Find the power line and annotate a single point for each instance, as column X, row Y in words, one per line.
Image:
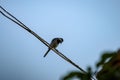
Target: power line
column 15, row 20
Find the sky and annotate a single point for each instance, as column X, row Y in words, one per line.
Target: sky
column 88, row 27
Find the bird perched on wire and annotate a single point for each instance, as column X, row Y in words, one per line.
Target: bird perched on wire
column 54, row 43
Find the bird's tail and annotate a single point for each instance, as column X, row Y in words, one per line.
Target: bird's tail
column 46, row 53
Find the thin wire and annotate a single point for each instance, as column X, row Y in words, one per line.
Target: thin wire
column 12, row 18
column 15, row 20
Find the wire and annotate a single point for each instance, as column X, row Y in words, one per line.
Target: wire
column 15, row 20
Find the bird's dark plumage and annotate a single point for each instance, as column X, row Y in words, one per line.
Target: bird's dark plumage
column 54, row 43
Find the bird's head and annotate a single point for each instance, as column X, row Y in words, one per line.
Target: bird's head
column 60, row 40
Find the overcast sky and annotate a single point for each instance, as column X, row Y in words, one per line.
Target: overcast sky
column 88, row 27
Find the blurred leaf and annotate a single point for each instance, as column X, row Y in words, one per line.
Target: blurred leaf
column 110, row 69
column 79, row 75
column 104, row 57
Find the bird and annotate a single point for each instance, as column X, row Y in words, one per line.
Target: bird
column 54, row 43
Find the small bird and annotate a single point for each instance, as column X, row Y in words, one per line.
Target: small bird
column 54, row 43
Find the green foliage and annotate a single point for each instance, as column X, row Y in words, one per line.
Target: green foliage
column 104, row 57
column 79, row 75
column 110, row 69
